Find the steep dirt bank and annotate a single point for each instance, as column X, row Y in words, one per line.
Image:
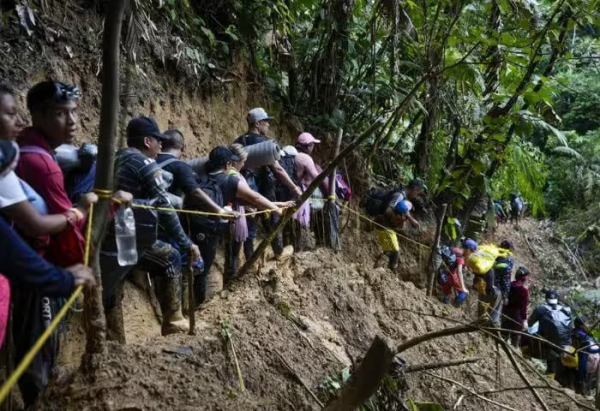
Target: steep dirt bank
column 339, row 303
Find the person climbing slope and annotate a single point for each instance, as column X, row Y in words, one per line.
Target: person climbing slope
column 391, row 209
column 503, row 269
column 555, row 324
column 262, row 179
column 480, row 261
column 514, row 313
column 588, row 355
column 451, row 275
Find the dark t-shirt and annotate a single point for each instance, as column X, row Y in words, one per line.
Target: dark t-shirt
column 184, row 177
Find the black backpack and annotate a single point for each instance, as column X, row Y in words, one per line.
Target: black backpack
column 448, row 258
column 212, row 188
column 377, row 200
column 283, row 192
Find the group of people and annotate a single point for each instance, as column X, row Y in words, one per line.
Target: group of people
column 42, row 228
column 511, row 210
column 549, row 332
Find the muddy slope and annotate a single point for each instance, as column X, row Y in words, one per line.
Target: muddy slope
column 319, row 311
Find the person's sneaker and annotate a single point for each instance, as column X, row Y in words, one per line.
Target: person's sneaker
column 446, row 300
column 286, row 253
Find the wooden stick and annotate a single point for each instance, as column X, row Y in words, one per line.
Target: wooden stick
column 472, row 392
column 366, row 380
column 95, row 320
column 235, row 360
column 511, row 357
column 298, row 378
column 435, row 248
column 437, row 365
column 191, row 298
column 461, row 329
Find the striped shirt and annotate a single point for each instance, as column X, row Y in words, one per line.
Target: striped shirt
column 141, row 176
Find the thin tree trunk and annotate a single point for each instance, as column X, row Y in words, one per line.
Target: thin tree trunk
column 94, row 319
column 435, row 249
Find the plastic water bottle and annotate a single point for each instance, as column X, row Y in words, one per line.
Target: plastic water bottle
column 125, row 234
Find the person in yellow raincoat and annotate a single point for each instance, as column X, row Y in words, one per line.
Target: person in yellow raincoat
column 396, row 213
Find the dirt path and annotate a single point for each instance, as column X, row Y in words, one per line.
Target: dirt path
column 319, row 311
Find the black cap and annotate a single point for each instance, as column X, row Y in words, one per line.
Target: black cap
column 507, row 245
column 142, row 126
column 416, row 183
column 551, row 297
column 221, row 155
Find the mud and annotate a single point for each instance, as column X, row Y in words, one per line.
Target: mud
column 320, row 311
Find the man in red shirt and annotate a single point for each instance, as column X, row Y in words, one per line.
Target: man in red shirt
column 53, row 108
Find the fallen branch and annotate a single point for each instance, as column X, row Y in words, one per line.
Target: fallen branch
column 515, row 365
column 437, row 365
column 471, row 391
column 298, row 378
column 523, row 361
column 366, row 380
column 462, row 329
column 576, row 260
column 229, row 337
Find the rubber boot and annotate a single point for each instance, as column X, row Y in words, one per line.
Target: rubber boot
column 168, row 291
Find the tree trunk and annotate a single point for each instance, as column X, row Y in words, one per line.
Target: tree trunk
column 95, row 320
column 366, row 380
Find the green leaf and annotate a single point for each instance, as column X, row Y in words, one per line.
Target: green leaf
column 209, row 35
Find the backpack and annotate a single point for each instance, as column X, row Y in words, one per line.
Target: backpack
column 556, row 325
column 448, row 257
column 448, row 264
column 342, row 189
column 283, row 192
column 484, row 259
column 212, row 188
column 377, row 200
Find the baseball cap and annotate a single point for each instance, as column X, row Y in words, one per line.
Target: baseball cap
column 403, row 207
column 306, row 139
column 144, row 127
column 551, row 297
column 258, row 114
column 416, row 183
column 522, row 272
column 470, row 244
column 507, row 245
column 221, row 155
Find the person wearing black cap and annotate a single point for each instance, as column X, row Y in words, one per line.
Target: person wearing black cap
column 555, row 324
column 139, row 174
column 263, row 179
column 207, row 231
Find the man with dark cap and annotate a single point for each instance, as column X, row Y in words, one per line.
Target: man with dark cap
column 139, row 174
column 262, row 179
column 555, row 324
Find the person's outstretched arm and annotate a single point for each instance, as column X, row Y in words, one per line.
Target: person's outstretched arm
column 23, row 266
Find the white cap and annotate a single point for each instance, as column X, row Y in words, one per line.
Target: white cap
column 258, row 114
